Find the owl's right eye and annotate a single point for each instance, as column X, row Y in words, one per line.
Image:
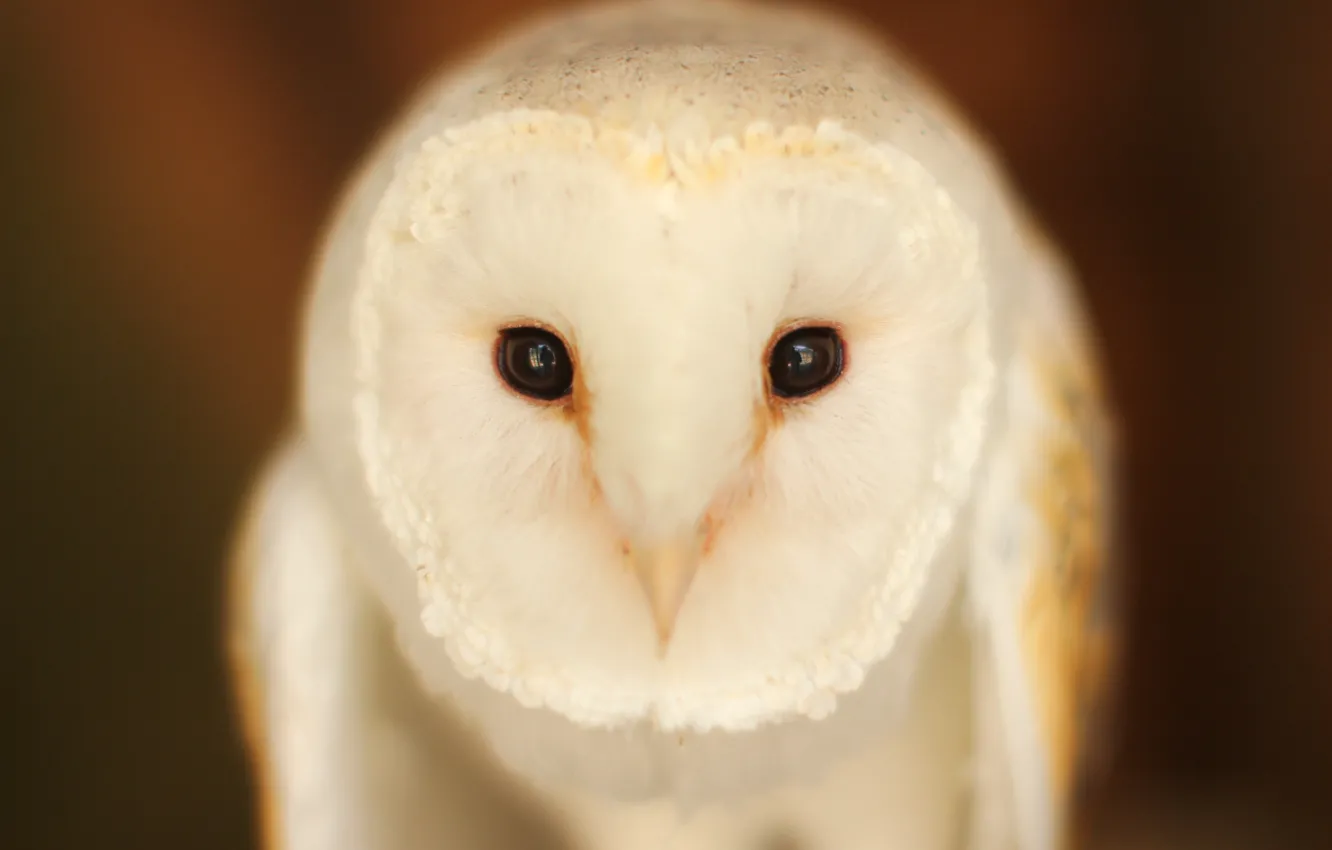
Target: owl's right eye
column 535, row 362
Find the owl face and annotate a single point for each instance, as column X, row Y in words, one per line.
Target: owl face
column 664, row 430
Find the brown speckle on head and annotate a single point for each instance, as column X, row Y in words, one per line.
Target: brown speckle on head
column 768, row 415
column 626, row 556
column 733, row 497
column 711, row 526
column 579, row 408
column 578, row 411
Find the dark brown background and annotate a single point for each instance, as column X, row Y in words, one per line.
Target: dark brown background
column 165, row 166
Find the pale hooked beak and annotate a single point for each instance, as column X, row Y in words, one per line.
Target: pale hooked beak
column 666, row 571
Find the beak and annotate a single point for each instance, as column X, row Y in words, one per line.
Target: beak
column 666, row 572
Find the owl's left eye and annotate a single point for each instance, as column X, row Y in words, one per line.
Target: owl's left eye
column 805, row 361
column 535, row 362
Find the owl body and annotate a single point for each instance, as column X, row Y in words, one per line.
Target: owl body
column 715, row 308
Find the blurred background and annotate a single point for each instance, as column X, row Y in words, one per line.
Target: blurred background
column 165, row 167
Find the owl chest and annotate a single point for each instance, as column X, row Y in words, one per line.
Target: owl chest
column 905, row 787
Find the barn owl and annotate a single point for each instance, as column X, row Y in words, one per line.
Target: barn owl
column 699, row 447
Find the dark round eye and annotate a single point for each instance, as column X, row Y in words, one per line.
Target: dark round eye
column 805, row 361
column 535, row 363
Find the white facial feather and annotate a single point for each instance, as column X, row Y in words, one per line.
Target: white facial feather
column 668, row 188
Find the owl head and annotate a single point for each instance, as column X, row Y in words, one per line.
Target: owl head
column 650, row 357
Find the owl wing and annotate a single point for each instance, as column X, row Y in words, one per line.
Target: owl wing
column 1041, row 579
column 292, row 628
column 348, row 752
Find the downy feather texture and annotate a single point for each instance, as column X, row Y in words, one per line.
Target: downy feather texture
column 901, row 588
